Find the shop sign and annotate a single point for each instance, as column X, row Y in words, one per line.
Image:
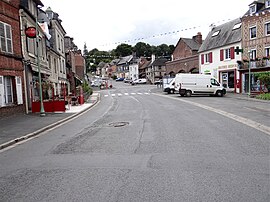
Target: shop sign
column 30, row 32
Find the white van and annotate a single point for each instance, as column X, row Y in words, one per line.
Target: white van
column 198, row 84
column 169, row 87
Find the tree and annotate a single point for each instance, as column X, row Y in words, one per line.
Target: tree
column 264, row 78
column 142, row 49
column 123, row 50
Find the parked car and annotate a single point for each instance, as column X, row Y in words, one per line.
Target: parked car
column 138, row 81
column 119, row 79
column 127, row 80
column 158, row 82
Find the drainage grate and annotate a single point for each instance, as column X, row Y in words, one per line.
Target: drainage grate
column 118, row 124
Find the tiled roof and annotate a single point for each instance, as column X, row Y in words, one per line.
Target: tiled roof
column 194, row 45
column 226, row 36
column 124, row 60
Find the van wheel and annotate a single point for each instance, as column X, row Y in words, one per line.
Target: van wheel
column 219, row 93
column 171, row 91
column 188, row 93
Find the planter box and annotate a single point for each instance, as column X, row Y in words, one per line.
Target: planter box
column 50, row 106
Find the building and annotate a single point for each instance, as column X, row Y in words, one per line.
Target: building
column 185, row 56
column 56, row 53
column 11, row 66
column 218, row 54
column 156, row 70
column 255, row 44
column 34, row 51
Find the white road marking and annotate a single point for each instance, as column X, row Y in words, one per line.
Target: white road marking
column 113, row 95
column 126, row 93
column 119, row 94
column 106, row 95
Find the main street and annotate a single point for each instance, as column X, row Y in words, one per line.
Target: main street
column 139, row 144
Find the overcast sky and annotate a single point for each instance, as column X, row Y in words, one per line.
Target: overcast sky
column 104, row 24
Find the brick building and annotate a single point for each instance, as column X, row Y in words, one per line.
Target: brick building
column 185, row 58
column 11, row 67
column 255, row 44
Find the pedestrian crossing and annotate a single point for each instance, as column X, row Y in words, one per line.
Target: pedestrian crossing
column 125, row 94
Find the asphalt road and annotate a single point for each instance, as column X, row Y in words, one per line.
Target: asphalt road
column 141, row 145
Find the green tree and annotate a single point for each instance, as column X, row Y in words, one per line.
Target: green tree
column 123, row 50
column 142, row 49
column 264, row 78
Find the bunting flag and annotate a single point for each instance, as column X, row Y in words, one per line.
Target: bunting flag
column 164, row 34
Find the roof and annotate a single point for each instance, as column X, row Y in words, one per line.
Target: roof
column 222, row 35
column 144, row 63
column 124, row 60
column 158, row 62
column 192, row 44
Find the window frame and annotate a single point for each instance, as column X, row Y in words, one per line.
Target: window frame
column 251, row 33
column 252, row 9
column 227, row 54
column 267, row 3
column 6, row 38
column 267, row 29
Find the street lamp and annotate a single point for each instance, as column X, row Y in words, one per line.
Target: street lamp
column 249, row 73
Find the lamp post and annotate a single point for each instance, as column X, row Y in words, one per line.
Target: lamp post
column 42, row 112
column 249, row 74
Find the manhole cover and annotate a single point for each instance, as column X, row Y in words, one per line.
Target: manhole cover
column 118, row 124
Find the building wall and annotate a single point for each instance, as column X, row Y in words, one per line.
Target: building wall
column 11, row 63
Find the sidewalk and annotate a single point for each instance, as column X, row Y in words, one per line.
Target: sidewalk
column 16, row 128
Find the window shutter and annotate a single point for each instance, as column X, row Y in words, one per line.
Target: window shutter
column 19, row 90
column 221, row 55
column 1, row 91
column 202, row 59
column 210, row 57
column 232, row 52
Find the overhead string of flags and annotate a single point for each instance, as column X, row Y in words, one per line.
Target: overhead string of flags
column 163, row 34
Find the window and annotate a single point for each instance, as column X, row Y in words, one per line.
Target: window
column 208, row 57
column 5, row 38
column 237, row 26
column 227, row 53
column 267, row 51
column 253, row 32
column 253, row 54
column 215, row 33
column 267, row 3
column 267, row 28
column 252, row 8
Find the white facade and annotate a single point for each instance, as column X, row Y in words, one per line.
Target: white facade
column 134, row 71
column 222, row 64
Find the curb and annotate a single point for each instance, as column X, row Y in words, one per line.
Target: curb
column 35, row 133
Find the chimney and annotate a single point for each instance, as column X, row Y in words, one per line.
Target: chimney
column 198, row 37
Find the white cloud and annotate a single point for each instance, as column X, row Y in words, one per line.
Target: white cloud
column 103, row 23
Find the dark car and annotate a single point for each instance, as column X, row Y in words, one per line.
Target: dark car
column 119, row 79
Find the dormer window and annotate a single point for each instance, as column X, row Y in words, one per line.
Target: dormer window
column 267, row 3
column 252, row 9
column 237, row 26
column 215, row 33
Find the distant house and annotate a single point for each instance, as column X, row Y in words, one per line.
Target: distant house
column 11, row 66
column 142, row 67
column 123, row 67
column 185, row 56
column 255, row 44
column 156, row 70
column 219, row 56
